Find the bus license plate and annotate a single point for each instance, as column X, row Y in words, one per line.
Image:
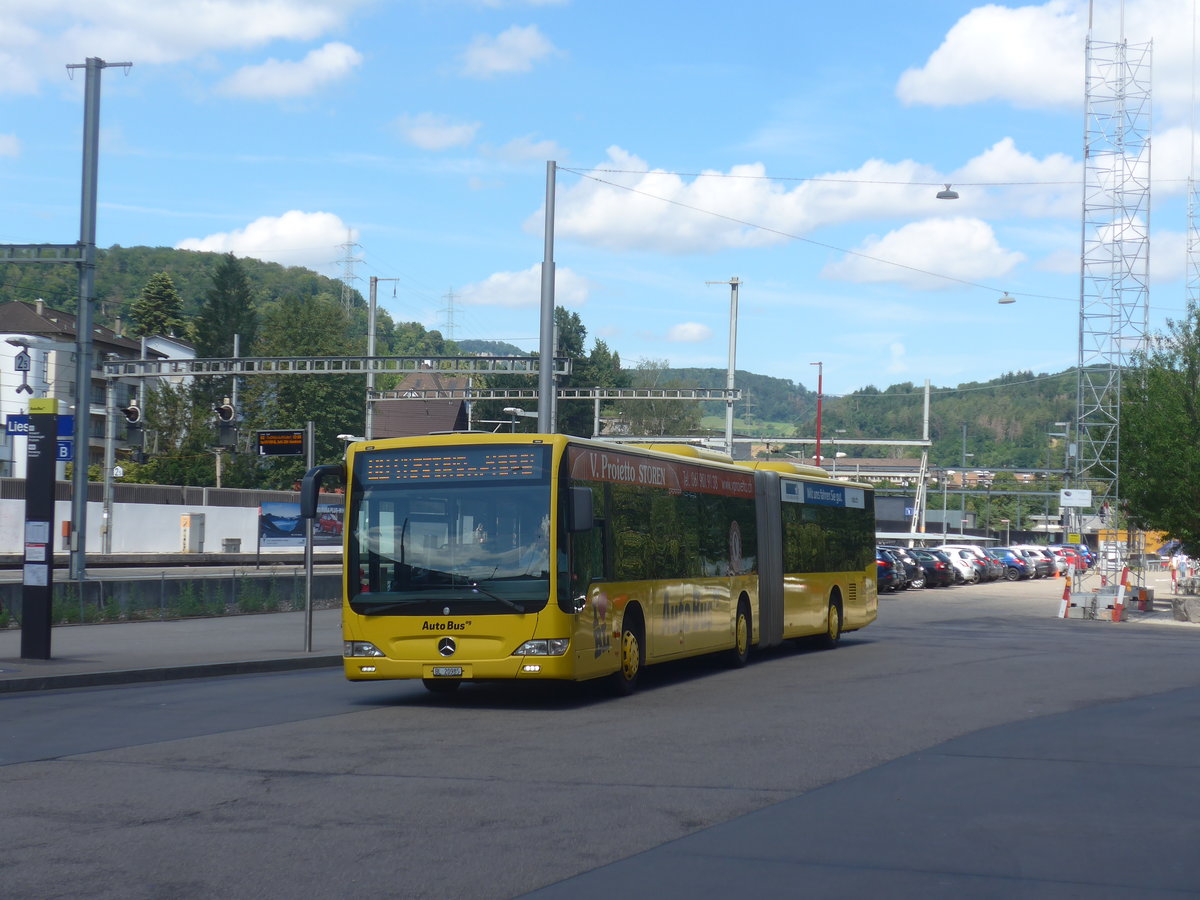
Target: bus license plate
column 447, row 671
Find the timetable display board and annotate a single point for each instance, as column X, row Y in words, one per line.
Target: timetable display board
column 448, row 465
column 281, row 442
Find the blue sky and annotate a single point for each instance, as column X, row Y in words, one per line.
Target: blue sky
column 779, row 142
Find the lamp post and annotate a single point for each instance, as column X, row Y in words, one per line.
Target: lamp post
column 729, row 376
column 372, row 310
column 945, row 508
column 987, row 516
column 1006, row 532
column 820, row 375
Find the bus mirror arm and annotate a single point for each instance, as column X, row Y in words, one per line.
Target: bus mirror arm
column 581, row 509
column 310, row 488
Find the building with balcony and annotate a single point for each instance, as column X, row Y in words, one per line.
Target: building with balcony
column 48, row 335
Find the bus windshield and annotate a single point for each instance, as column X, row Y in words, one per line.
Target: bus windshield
column 459, row 530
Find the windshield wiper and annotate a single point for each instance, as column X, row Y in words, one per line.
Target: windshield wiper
column 480, row 590
column 371, row 609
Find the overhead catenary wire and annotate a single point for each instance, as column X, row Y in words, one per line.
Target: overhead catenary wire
column 799, row 237
column 1000, row 292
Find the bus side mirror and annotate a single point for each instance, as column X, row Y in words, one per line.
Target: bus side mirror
column 310, row 488
column 581, row 509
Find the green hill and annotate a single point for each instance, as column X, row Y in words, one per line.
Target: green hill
column 122, row 272
column 1006, row 420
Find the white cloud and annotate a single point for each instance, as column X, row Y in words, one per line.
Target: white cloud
column 38, row 37
column 1032, row 187
column 513, row 50
column 689, row 333
column 524, row 289
column 525, row 149
column 1031, row 56
column 1064, row 261
column 626, row 205
column 9, row 145
column 960, row 249
column 276, row 78
column 432, row 131
column 1168, row 258
column 1173, row 159
column 294, row 239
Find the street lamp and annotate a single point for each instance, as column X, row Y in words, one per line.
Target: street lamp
column 515, row 412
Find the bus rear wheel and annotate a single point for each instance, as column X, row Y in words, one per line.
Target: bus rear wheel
column 833, row 626
column 740, row 654
column 633, row 656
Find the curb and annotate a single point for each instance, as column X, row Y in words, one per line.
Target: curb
column 171, row 673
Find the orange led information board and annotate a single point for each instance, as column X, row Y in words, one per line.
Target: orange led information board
column 281, row 442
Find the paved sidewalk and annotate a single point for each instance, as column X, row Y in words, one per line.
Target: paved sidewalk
column 126, row 652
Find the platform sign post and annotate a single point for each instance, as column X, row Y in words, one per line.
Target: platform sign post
column 37, row 582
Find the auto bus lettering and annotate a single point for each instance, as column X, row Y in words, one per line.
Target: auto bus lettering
column 444, row 626
column 689, row 604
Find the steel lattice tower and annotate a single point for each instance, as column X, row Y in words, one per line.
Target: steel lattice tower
column 1115, row 255
column 348, row 276
column 1193, row 243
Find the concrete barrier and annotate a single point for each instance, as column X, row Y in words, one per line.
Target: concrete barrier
column 163, row 597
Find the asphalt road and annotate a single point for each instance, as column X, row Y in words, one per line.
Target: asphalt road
column 304, row 785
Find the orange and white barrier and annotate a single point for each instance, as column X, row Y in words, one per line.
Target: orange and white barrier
column 1119, row 604
column 1065, row 607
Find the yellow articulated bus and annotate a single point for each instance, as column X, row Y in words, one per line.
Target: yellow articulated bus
column 496, row 557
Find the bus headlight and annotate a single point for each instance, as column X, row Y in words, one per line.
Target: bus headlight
column 360, row 648
column 550, row 647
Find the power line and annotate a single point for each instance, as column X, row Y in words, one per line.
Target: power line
column 797, row 237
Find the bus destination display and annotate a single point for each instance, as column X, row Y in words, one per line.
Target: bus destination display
column 452, row 464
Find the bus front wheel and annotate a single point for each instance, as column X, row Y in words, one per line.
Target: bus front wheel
column 633, row 656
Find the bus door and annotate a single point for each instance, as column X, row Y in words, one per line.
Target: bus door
column 590, row 595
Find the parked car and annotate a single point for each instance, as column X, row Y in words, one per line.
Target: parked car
column 886, row 571
column 939, row 571
column 964, row 565
column 987, row 572
column 1043, row 563
column 1071, row 554
column 995, row 570
column 913, row 573
column 1015, row 565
